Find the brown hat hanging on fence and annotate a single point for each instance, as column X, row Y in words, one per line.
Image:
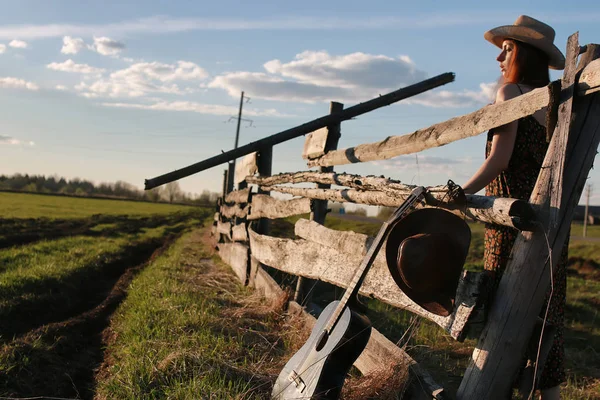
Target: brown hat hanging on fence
column 425, row 253
column 531, row 31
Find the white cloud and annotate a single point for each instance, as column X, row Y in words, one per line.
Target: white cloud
column 107, row 46
column 190, row 106
column 317, row 76
column 61, row 87
column 18, row 44
column 72, row 45
column 448, row 99
column 16, row 83
column 355, row 70
column 71, row 66
column 144, row 78
column 2, row 48
column 9, row 140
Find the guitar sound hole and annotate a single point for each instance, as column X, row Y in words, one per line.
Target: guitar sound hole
column 322, row 340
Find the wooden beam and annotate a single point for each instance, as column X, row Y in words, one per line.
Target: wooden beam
column 234, row 210
column 264, row 206
column 314, row 144
column 462, row 127
column 246, row 167
column 589, row 80
column 303, row 129
column 523, row 286
column 239, row 233
column 238, row 196
column 237, row 257
column 317, row 260
column 224, row 228
column 500, row 211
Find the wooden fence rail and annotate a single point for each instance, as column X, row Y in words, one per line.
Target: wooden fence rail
column 331, row 256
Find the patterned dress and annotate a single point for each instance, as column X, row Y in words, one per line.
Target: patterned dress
column 518, row 181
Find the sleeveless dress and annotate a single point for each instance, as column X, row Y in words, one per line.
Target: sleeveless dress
column 518, row 181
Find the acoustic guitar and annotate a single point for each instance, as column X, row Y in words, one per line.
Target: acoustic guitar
column 319, row 368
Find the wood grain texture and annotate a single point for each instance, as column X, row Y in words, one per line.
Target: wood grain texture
column 264, row 206
column 238, row 196
column 314, row 145
column 237, row 257
column 322, row 260
column 246, row 167
column 239, row 233
column 235, row 210
column 500, row 211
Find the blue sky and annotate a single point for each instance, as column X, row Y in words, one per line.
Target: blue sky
column 130, row 90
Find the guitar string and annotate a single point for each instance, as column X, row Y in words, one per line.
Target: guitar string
column 370, row 325
column 415, row 322
column 322, row 358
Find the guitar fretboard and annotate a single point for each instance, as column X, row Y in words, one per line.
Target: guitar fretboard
column 360, row 274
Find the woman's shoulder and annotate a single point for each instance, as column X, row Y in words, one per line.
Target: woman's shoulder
column 508, row 91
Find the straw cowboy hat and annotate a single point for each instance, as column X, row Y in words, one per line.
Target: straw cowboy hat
column 533, row 32
column 425, row 253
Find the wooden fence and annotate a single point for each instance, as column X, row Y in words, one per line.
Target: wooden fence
column 242, row 232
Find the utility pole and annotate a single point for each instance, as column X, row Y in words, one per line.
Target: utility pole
column 237, row 137
column 587, row 204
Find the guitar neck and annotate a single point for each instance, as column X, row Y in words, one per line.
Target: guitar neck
column 415, row 196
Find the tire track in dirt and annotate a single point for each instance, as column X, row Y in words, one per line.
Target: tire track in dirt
column 60, row 358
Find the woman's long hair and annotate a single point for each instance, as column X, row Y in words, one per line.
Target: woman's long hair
column 528, row 66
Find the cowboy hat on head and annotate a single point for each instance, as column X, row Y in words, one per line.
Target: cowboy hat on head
column 425, row 253
column 531, row 31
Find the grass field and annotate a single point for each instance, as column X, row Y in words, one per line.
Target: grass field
column 65, row 264
column 129, row 302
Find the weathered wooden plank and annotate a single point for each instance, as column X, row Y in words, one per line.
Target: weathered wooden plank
column 500, row 211
column 316, row 260
column 589, row 80
column 237, row 257
column 235, row 210
column 265, row 284
column 264, row 206
column 224, row 228
column 246, row 167
column 520, row 294
column 239, row 233
column 314, row 144
column 238, row 196
column 440, row 134
column 472, row 124
column 216, row 217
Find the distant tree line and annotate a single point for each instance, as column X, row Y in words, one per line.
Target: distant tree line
column 171, row 192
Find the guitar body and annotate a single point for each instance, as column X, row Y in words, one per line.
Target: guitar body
column 319, row 368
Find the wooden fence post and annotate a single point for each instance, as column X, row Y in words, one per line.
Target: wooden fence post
column 265, row 165
column 319, row 207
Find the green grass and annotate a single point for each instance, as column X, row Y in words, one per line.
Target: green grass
column 27, row 205
column 185, row 332
column 59, row 283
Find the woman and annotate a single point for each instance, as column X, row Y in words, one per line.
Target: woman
column 514, row 156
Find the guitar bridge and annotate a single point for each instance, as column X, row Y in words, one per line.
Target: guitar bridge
column 297, row 381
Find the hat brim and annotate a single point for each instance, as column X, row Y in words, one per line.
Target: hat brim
column 430, row 220
column 556, row 59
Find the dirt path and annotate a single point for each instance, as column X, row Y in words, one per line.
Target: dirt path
column 59, row 358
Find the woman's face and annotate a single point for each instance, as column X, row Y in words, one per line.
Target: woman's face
column 505, row 57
